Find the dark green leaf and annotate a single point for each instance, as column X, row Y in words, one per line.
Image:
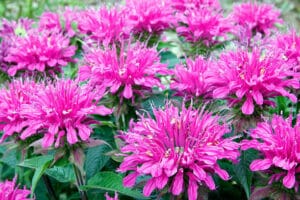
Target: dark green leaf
column 242, row 171
column 62, row 174
column 95, row 160
column 110, row 181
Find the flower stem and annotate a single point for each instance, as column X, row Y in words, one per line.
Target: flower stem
column 80, row 182
column 49, row 187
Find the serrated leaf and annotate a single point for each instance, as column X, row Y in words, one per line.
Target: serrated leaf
column 242, row 171
column 36, row 162
column 95, row 160
column 62, row 174
column 110, row 181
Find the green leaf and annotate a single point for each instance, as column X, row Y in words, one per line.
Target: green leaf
column 95, row 160
column 62, row 174
column 242, row 171
column 36, row 162
column 110, row 181
column 169, row 58
column 40, row 164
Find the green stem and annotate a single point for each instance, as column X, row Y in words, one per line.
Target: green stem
column 29, row 8
column 49, row 187
column 80, row 182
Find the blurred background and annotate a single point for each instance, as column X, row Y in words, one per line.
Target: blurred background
column 14, row 9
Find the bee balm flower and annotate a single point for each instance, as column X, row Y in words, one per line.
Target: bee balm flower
column 278, row 142
column 9, row 191
column 60, row 111
column 251, row 78
column 178, row 150
column 128, row 72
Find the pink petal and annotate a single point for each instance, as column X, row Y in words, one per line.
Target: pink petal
column 260, row 164
column 257, row 96
column 198, row 172
column 84, row 132
column 71, row 135
column 222, row 173
column 127, row 93
column 192, row 189
column 209, row 181
column 149, row 187
column 248, row 106
column 289, row 180
column 161, row 181
column 220, row 92
column 130, row 179
column 48, row 140
column 177, row 185
column 102, row 110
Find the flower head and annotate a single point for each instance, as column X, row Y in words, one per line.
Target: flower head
column 183, row 5
column 62, row 110
column 104, row 25
column 176, row 146
column 290, row 45
column 52, row 21
column 251, row 78
column 8, row 31
column 152, row 16
column 9, row 191
column 252, row 17
column 205, row 25
column 278, row 142
column 12, row 99
column 191, row 80
column 39, row 52
column 127, row 72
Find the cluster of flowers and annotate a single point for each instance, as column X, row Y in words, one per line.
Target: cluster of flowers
column 9, row 191
column 177, row 145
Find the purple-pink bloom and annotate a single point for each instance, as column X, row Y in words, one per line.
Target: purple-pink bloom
column 174, row 147
column 152, row 16
column 253, row 17
column 252, row 78
column 278, row 142
column 190, row 80
column 12, row 99
column 39, row 52
column 9, row 191
column 8, row 31
column 205, row 25
column 52, row 21
column 128, row 71
column 104, row 25
column 61, row 112
column 290, row 45
column 183, row 5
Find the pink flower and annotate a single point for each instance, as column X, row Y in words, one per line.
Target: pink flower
column 205, row 25
column 8, row 31
column 107, row 197
column 191, row 80
column 174, row 147
column 12, row 99
column 278, row 141
column 39, row 52
column 252, row 17
column 62, row 110
column 152, row 16
column 53, row 22
column 127, row 72
column 9, row 191
column 251, row 78
column 183, row 5
column 105, row 25
column 290, row 45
